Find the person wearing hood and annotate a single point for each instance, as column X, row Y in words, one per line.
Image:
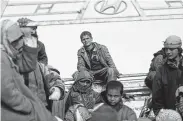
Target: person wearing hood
column 42, row 81
column 81, row 98
column 168, row 76
column 18, row 55
column 24, row 25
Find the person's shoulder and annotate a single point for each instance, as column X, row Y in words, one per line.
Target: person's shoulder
column 81, row 49
column 100, row 45
column 126, row 108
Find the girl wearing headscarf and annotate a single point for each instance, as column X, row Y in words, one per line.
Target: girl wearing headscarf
column 81, row 98
column 18, row 56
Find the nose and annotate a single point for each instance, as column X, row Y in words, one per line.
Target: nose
column 168, row 51
column 112, row 98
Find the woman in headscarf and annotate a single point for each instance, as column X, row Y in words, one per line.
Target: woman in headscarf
column 81, row 98
column 18, row 56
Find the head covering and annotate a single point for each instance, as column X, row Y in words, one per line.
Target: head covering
column 83, row 75
column 10, row 32
column 178, row 91
column 173, row 41
column 24, row 22
column 53, row 69
column 168, row 115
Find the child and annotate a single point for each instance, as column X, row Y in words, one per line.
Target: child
column 113, row 105
column 81, row 98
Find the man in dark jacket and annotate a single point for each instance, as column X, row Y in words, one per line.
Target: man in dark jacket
column 41, row 81
column 168, row 77
column 95, row 58
column 157, row 61
column 42, row 56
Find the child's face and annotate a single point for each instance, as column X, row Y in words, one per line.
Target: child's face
column 113, row 96
column 85, row 83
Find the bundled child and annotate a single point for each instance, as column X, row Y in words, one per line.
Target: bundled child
column 113, row 108
column 81, row 98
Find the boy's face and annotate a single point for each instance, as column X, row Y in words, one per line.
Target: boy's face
column 113, row 96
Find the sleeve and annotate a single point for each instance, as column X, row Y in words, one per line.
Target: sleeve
column 81, row 64
column 158, row 61
column 108, row 57
column 51, row 79
column 131, row 116
column 157, row 96
column 27, row 61
column 10, row 94
column 69, row 116
column 42, row 56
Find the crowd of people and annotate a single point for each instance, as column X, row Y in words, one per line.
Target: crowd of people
column 32, row 90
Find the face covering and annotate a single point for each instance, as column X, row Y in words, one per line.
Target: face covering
column 26, row 58
column 12, row 41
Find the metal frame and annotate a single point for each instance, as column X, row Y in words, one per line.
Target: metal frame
column 80, row 13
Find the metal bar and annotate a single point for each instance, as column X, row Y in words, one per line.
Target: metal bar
column 138, row 8
column 162, row 8
column 105, row 20
column 36, row 14
column 4, row 4
column 44, row 2
column 80, row 15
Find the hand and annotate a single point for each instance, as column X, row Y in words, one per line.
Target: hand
column 30, row 41
column 58, row 119
column 56, row 93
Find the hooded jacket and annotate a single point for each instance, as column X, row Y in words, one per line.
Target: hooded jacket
column 17, row 102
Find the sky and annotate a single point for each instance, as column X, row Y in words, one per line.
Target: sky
column 131, row 44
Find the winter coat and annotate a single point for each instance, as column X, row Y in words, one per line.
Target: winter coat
column 156, row 62
column 41, row 80
column 166, row 82
column 42, row 56
column 104, row 56
column 18, row 103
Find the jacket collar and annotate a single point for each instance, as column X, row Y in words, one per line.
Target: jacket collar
column 96, row 47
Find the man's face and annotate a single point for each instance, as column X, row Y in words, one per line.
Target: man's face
column 113, row 96
column 86, row 40
column 171, row 53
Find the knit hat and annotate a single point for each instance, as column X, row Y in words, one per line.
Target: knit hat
column 24, row 22
column 173, row 41
column 168, row 115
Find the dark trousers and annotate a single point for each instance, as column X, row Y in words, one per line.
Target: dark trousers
column 103, row 75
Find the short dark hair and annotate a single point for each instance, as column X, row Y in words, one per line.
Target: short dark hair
column 85, row 33
column 115, row 85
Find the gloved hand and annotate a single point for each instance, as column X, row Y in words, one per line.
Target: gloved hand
column 58, row 119
column 56, row 93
